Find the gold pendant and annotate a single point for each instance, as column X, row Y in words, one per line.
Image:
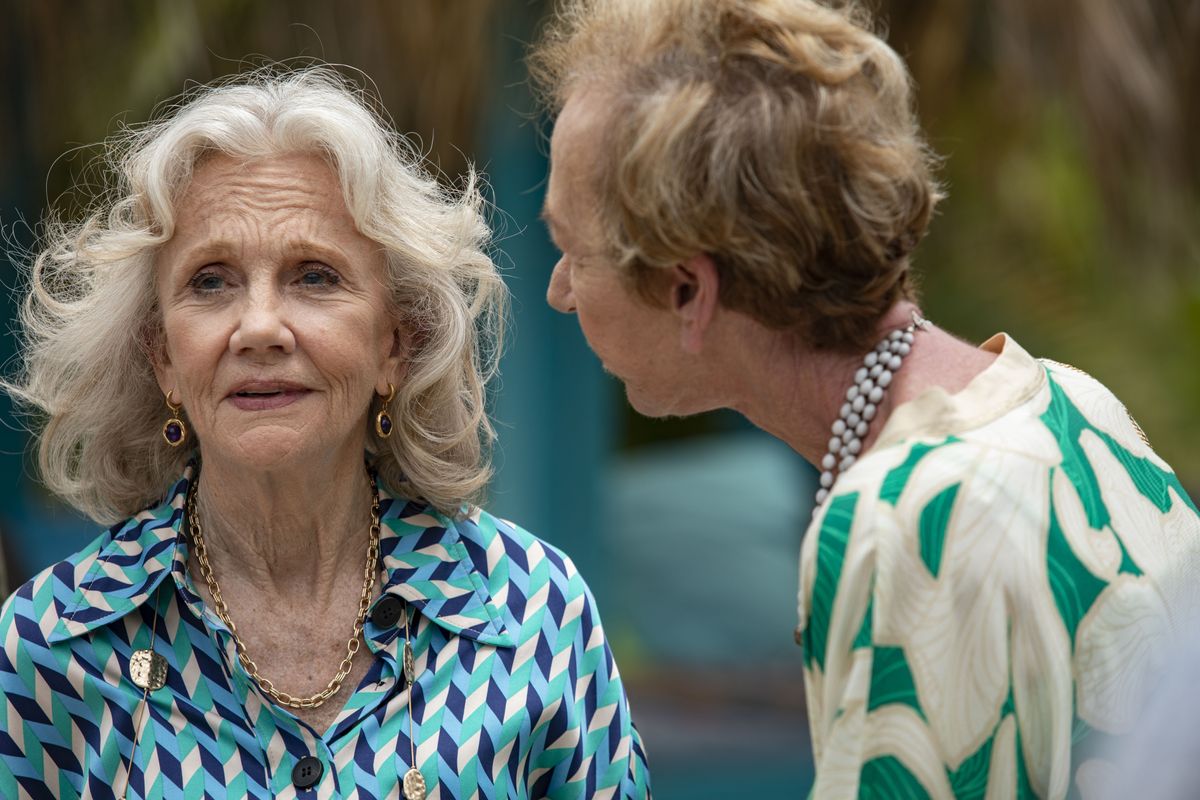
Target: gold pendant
column 148, row 670
column 414, row 785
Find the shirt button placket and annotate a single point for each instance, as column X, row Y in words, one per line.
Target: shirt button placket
column 389, row 612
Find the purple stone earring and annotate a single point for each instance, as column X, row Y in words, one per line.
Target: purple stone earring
column 174, row 431
column 383, row 420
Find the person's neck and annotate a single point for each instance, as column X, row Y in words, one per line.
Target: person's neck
column 294, row 532
column 796, row 393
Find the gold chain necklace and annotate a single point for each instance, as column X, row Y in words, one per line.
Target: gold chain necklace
column 352, row 646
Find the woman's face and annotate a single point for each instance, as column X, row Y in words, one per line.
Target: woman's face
column 277, row 334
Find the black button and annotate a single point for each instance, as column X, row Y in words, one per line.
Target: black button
column 388, row 611
column 307, row 772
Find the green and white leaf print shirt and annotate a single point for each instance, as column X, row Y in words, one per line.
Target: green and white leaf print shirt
column 990, row 592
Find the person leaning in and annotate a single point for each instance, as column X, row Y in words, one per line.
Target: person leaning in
column 998, row 560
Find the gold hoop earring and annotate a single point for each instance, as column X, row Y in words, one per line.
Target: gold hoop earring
column 383, row 420
column 174, row 432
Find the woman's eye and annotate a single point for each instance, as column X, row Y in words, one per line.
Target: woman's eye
column 318, row 275
column 207, row 282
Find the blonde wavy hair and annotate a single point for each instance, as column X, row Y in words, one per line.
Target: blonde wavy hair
column 90, row 320
column 777, row 136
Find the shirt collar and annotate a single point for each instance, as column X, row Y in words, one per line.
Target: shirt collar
column 1010, row 380
column 424, row 559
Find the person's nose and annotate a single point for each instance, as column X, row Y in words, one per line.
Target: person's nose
column 558, row 293
column 262, row 325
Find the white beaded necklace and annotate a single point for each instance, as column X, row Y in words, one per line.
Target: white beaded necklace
column 863, row 398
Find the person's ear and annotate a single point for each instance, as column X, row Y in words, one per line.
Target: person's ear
column 154, row 346
column 395, row 363
column 695, row 285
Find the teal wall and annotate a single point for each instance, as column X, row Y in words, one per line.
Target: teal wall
column 554, row 407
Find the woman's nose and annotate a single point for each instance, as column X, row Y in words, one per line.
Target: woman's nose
column 558, row 293
column 262, row 326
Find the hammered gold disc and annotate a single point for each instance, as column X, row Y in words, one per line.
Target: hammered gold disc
column 148, row 670
column 414, row 785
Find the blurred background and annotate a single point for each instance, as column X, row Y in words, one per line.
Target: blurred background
column 1073, row 223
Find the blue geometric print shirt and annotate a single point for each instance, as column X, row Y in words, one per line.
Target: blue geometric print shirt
column 516, row 694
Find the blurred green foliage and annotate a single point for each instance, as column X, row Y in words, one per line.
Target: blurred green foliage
column 73, row 73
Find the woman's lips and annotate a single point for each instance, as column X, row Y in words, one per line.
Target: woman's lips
column 262, row 401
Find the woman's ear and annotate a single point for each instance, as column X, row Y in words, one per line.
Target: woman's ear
column 395, row 365
column 154, row 346
column 695, row 287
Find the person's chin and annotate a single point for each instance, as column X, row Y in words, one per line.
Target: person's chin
column 647, row 404
column 264, row 447
column 660, row 405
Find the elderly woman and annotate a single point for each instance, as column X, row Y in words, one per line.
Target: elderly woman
column 998, row 558
column 264, row 359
